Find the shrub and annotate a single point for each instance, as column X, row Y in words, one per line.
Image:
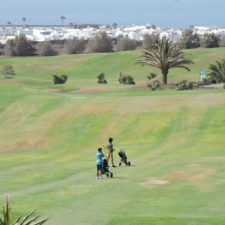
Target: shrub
column 46, row 49
column 155, row 85
column 210, row 41
column 20, row 46
column 101, row 78
column 60, row 79
column 126, row 79
column 125, row 44
column 189, row 39
column 149, row 40
column 75, row 46
column 222, row 42
column 8, row 71
column 152, row 76
column 100, row 43
column 184, row 85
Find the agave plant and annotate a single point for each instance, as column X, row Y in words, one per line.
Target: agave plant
column 164, row 55
column 217, row 71
column 29, row 219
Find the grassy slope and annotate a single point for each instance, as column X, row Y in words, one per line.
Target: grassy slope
column 83, row 69
column 175, row 141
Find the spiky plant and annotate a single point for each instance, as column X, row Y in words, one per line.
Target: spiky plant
column 164, row 55
column 217, row 71
column 29, row 219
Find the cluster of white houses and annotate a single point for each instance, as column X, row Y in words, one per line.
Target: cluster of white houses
column 49, row 33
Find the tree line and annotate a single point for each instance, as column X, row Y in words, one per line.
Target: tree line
column 21, row 46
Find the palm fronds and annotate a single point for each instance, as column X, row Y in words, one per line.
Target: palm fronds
column 217, row 71
column 164, row 55
column 29, row 219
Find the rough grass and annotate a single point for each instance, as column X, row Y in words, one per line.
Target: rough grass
column 174, row 140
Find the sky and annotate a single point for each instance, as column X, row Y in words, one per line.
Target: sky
column 163, row 13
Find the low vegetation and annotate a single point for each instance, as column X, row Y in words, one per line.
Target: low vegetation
column 8, row 71
column 184, row 85
column 126, row 79
column 155, row 85
column 101, row 78
column 60, row 79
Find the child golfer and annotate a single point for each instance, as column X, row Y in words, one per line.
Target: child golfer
column 99, row 155
column 110, row 151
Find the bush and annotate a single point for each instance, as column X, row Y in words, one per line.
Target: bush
column 46, row 49
column 2, row 47
column 184, row 85
column 222, row 42
column 189, row 39
column 101, row 78
column 155, row 85
column 126, row 79
column 100, row 43
column 210, row 41
column 75, row 46
column 60, row 79
column 149, row 40
column 125, row 44
column 8, row 71
column 20, row 46
column 152, row 76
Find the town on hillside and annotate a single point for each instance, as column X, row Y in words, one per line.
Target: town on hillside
column 51, row 33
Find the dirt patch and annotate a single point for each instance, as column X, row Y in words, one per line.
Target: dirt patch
column 152, row 182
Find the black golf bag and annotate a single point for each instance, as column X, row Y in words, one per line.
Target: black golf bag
column 123, row 158
column 105, row 169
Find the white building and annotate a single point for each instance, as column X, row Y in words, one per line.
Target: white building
column 49, row 33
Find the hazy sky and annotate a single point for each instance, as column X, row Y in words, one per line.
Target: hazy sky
column 165, row 13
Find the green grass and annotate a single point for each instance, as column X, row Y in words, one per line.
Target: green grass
column 48, row 141
column 82, row 70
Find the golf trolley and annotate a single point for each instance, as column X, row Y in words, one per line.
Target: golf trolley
column 105, row 169
column 123, row 157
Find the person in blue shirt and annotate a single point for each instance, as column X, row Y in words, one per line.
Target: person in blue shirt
column 99, row 155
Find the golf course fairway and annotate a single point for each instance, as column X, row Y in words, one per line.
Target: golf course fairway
column 49, row 137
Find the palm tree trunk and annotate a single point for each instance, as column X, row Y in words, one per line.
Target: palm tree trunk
column 165, row 78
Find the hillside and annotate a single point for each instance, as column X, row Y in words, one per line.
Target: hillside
column 174, row 140
column 82, row 70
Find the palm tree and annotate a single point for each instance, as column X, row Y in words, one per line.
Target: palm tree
column 24, row 20
column 9, row 23
column 62, row 19
column 217, row 71
column 164, row 55
column 29, row 219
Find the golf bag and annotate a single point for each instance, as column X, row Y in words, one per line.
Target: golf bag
column 123, row 158
column 105, row 169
